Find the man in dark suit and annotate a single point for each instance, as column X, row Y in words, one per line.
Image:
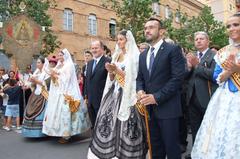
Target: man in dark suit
column 95, row 79
column 160, row 76
column 87, row 57
column 200, row 84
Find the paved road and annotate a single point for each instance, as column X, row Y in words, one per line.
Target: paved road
column 14, row 146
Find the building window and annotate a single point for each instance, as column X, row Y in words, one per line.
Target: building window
column 112, row 28
column 186, row 17
column 168, row 12
column 156, row 8
column 68, row 20
column 230, row 7
column 177, row 16
column 92, row 24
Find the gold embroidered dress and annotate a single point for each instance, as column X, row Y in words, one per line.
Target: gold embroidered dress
column 59, row 120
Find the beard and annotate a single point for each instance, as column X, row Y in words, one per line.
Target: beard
column 151, row 39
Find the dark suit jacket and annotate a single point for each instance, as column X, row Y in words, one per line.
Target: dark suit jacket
column 199, row 77
column 95, row 82
column 84, row 80
column 165, row 80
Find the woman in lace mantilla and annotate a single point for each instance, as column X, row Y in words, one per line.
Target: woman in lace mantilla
column 219, row 134
column 119, row 131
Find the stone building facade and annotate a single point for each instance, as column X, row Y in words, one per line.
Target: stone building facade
column 78, row 22
column 221, row 9
column 166, row 9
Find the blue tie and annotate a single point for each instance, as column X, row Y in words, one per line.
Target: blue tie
column 151, row 60
column 94, row 65
column 200, row 55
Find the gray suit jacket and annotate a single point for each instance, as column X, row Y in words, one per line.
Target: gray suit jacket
column 199, row 77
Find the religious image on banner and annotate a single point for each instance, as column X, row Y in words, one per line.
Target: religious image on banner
column 22, row 39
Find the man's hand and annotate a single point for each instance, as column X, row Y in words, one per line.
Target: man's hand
column 147, row 99
column 192, row 59
column 140, row 94
column 86, row 101
column 189, row 65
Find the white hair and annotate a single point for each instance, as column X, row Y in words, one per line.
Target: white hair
column 201, row 33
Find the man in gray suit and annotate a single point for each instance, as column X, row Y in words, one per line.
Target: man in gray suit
column 201, row 84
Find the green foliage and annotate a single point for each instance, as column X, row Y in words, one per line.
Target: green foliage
column 3, row 10
column 37, row 10
column 204, row 22
column 132, row 14
column 51, row 43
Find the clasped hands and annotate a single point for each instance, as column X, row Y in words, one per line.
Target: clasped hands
column 231, row 65
column 192, row 60
column 145, row 99
column 53, row 74
column 111, row 67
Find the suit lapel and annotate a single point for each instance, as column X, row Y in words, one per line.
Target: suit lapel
column 205, row 57
column 157, row 58
column 100, row 62
column 145, row 63
column 89, row 68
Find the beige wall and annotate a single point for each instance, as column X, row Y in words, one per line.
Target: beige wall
column 221, row 9
column 79, row 39
column 189, row 7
